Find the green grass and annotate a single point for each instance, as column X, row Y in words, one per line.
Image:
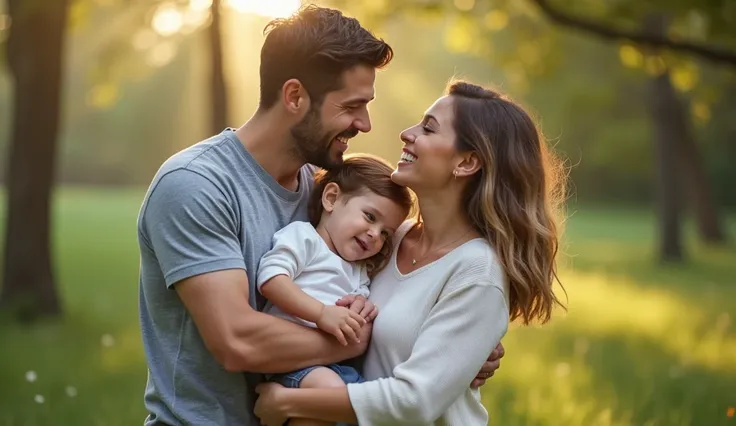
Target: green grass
column 641, row 344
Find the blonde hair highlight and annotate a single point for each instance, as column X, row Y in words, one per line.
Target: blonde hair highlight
column 516, row 200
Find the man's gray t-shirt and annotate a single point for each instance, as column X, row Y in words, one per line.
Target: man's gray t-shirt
column 210, row 207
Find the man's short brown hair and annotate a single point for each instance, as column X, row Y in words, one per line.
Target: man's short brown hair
column 316, row 45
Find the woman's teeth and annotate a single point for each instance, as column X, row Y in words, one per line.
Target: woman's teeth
column 342, row 139
column 405, row 156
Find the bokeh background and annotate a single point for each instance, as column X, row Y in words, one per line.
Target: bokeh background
column 638, row 97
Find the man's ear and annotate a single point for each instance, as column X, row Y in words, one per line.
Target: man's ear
column 329, row 196
column 295, row 97
column 468, row 165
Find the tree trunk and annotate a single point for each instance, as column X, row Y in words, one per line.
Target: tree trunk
column 700, row 195
column 663, row 104
column 35, row 56
column 219, row 117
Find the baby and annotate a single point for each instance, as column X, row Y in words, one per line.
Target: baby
column 354, row 211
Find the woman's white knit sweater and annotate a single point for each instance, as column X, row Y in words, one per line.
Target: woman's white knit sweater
column 435, row 328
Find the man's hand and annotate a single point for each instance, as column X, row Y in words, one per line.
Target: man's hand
column 360, row 305
column 269, row 408
column 340, row 322
column 489, row 367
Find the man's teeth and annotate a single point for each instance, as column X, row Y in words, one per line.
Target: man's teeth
column 405, row 156
column 342, row 139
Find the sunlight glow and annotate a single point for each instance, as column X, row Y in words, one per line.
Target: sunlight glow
column 200, row 5
column 157, row 57
column 617, row 305
column 268, row 8
column 496, row 20
column 167, row 20
column 194, row 19
column 103, row 96
column 144, row 39
column 465, row 5
column 4, row 22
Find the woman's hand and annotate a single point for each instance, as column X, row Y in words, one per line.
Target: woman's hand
column 269, row 404
column 489, row 367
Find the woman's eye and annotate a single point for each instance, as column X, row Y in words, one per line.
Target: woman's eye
column 427, row 129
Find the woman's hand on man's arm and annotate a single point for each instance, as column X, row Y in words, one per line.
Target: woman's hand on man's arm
column 489, row 367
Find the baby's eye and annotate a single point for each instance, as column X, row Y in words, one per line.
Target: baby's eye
column 385, row 234
column 370, row 217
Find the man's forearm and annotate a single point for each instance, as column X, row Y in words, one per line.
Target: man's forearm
column 264, row 343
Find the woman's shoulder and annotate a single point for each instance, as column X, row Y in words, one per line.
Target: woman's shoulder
column 404, row 228
column 476, row 263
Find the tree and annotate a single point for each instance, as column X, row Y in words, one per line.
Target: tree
column 218, row 87
column 606, row 30
column 686, row 154
column 700, row 30
column 666, row 111
column 35, row 58
column 172, row 21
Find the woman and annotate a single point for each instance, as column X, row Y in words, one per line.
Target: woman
column 482, row 254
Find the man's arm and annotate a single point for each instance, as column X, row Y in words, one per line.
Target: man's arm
column 242, row 339
column 291, row 299
column 192, row 227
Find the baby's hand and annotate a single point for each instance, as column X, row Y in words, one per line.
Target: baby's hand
column 340, row 321
column 360, row 304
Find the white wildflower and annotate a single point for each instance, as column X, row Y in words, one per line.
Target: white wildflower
column 107, row 340
column 71, row 391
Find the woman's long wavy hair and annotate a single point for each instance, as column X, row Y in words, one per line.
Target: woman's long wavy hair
column 515, row 201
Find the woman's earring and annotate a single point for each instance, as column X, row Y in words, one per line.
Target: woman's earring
column 454, row 173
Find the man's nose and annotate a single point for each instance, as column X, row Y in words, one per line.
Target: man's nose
column 363, row 122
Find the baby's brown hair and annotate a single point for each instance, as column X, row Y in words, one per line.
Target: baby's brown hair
column 359, row 173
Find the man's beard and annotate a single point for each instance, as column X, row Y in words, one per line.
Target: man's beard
column 312, row 145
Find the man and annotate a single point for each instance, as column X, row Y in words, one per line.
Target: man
column 212, row 209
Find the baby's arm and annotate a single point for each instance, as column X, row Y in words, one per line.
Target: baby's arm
column 291, row 299
column 293, row 249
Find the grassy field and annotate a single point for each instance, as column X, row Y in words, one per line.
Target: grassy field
column 641, row 344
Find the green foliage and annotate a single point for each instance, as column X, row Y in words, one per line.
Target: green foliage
column 591, row 95
column 133, row 96
column 642, row 345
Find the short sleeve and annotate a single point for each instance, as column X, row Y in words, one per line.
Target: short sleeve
column 293, row 248
column 191, row 226
column 363, row 288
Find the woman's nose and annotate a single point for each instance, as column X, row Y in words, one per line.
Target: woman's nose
column 407, row 136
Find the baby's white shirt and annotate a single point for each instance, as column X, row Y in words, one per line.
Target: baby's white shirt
column 300, row 252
